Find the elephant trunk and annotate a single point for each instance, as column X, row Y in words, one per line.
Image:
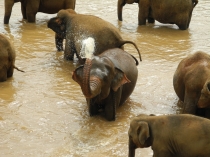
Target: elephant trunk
column 120, row 5
column 91, row 86
column 95, row 86
column 8, row 10
column 86, row 78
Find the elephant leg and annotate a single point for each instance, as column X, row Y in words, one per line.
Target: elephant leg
column 23, row 10
column 143, row 15
column 8, row 10
column 31, row 17
column 10, row 71
column 59, row 42
column 112, row 101
column 131, row 148
column 189, row 103
column 207, row 113
column 151, row 20
column 3, row 74
column 183, row 23
column 92, row 107
column 69, row 50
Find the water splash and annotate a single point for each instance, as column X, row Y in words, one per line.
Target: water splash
column 88, row 48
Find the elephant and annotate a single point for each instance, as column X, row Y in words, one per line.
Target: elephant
column 7, row 58
column 83, row 31
column 30, row 8
column 106, row 81
column 191, row 83
column 182, row 135
column 177, row 12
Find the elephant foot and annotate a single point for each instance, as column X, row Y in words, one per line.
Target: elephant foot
column 59, row 48
column 151, row 20
column 69, row 57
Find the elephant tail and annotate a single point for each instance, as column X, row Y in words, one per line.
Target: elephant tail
column 17, row 69
column 130, row 42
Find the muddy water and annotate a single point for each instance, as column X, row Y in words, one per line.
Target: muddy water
column 43, row 112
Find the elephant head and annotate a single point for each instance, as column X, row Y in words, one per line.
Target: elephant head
column 120, row 5
column 138, row 136
column 204, row 100
column 98, row 76
column 58, row 23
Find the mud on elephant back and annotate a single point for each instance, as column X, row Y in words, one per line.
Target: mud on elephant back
column 192, row 84
column 177, row 12
column 107, row 80
column 181, row 135
column 82, row 37
column 30, row 8
column 7, row 58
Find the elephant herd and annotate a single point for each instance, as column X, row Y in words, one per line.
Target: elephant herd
column 107, row 74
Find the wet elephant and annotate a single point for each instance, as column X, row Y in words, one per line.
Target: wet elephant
column 30, row 8
column 177, row 12
column 80, row 33
column 182, row 135
column 7, row 58
column 191, row 83
column 107, row 80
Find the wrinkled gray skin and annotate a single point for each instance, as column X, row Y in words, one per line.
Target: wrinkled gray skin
column 30, row 8
column 107, row 81
column 181, row 135
column 78, row 27
column 7, row 58
column 177, row 12
column 192, row 83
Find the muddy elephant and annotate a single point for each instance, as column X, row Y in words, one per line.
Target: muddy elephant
column 30, row 8
column 7, row 58
column 107, row 81
column 182, row 135
column 177, row 12
column 191, row 83
column 85, row 33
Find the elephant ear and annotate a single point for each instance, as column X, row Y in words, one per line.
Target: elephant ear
column 143, row 132
column 77, row 75
column 57, row 24
column 119, row 79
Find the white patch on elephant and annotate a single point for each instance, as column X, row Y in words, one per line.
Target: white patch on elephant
column 88, row 48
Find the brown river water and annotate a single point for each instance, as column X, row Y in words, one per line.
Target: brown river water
column 43, row 112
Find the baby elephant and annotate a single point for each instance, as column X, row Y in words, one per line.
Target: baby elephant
column 192, row 83
column 107, row 80
column 181, row 135
column 7, row 58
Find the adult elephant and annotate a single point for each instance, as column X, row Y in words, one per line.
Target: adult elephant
column 181, row 135
column 191, row 83
column 107, row 80
column 30, row 8
column 7, row 58
column 85, row 33
column 177, row 12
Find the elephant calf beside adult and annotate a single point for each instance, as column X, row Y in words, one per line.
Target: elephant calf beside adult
column 7, row 58
column 192, row 83
column 181, row 135
column 30, row 8
column 107, row 80
column 177, row 12
column 82, row 30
